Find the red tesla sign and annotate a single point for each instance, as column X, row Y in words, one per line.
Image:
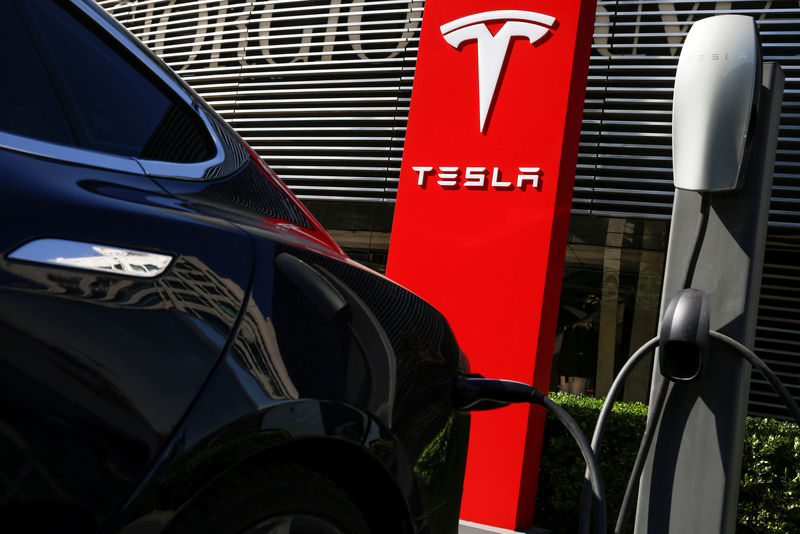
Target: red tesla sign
column 483, row 209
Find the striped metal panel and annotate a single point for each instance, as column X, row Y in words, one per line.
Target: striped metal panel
column 320, row 89
column 778, row 330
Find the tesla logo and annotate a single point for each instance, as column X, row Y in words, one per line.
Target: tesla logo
column 493, row 49
column 476, row 177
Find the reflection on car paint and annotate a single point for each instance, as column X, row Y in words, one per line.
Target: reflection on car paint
column 93, row 257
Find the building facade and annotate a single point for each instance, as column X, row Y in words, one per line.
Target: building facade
column 321, row 90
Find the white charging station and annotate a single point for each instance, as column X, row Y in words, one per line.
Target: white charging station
column 725, row 122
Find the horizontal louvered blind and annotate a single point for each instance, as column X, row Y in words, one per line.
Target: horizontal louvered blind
column 320, row 89
column 778, row 329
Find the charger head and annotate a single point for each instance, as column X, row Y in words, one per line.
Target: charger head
column 716, row 93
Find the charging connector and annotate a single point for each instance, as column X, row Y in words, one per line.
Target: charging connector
column 474, row 392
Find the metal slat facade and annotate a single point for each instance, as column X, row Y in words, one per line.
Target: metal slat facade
column 321, row 90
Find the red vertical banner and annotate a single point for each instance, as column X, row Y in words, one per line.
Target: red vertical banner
column 483, row 209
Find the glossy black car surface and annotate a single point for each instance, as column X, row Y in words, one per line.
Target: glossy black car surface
column 182, row 347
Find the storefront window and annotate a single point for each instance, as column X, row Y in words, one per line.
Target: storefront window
column 609, row 303
column 362, row 229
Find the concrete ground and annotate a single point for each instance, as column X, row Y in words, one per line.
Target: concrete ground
column 468, row 527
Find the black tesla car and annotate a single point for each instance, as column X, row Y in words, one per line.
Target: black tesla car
column 182, row 346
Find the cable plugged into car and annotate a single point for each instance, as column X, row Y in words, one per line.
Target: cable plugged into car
column 474, row 392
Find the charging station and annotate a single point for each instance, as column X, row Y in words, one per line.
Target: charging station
column 724, row 140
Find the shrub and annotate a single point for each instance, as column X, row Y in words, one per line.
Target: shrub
column 769, row 496
column 769, row 492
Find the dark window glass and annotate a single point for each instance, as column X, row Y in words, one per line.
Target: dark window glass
column 112, row 106
column 28, row 104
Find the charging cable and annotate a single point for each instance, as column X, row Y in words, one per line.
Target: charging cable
column 761, row 365
column 656, row 410
column 478, row 393
column 602, row 420
column 702, row 225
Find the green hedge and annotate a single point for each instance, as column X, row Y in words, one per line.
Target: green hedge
column 769, row 496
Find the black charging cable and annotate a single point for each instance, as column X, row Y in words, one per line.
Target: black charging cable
column 477, row 393
column 656, row 410
column 702, row 225
column 613, row 393
column 761, row 365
